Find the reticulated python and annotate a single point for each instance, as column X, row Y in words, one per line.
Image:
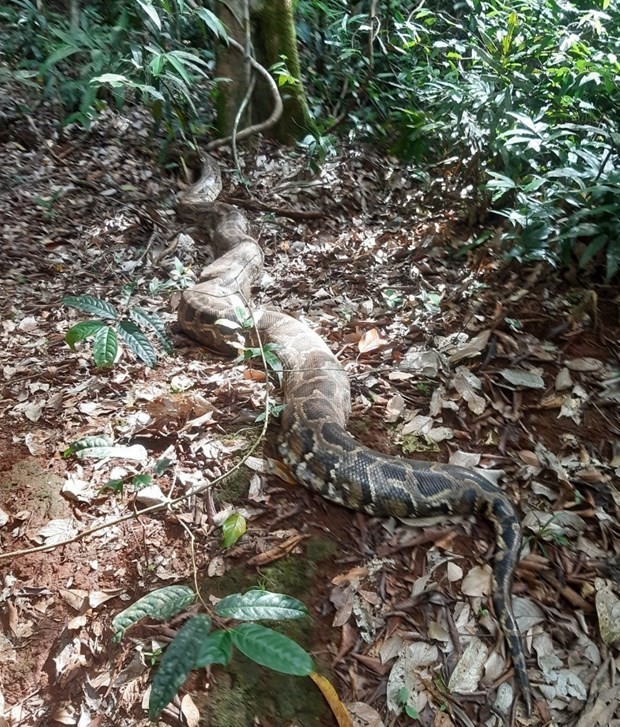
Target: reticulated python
column 313, row 441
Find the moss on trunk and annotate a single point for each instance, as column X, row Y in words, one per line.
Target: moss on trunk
column 273, row 26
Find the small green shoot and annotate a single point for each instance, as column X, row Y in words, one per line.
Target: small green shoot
column 110, row 326
column 403, row 697
column 393, row 299
column 268, row 352
column 139, row 481
column 274, row 412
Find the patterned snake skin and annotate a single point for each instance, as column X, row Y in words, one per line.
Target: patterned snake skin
column 313, row 442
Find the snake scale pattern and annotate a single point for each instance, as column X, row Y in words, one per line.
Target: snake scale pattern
column 314, row 442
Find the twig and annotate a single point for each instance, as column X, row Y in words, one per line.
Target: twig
column 248, row 94
column 251, row 204
column 233, row 139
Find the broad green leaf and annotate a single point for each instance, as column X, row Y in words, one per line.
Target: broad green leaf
column 613, row 260
column 591, row 251
column 233, row 528
column 150, row 91
column 585, row 229
column 157, row 63
column 212, row 22
column 105, row 347
column 140, row 481
column 90, row 304
column 274, row 363
column 118, row 451
column 244, row 316
column 82, row 331
column 74, row 37
column 272, row 649
column 60, row 54
column 177, row 662
column 161, row 605
column 179, row 68
column 143, row 318
column 114, row 485
column 113, row 79
column 162, row 465
column 215, row 649
column 151, row 13
column 274, row 411
column 86, row 443
column 192, row 61
column 139, row 344
column 259, row 605
column 191, row 58
column 184, row 90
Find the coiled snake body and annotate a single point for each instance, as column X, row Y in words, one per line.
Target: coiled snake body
column 313, row 441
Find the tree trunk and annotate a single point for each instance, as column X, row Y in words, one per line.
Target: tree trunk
column 232, row 67
column 270, row 26
column 274, row 36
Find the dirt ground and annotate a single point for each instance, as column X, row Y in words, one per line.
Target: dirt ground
column 453, row 353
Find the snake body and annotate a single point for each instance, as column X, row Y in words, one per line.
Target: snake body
column 313, row 441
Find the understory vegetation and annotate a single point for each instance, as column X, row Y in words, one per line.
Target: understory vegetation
column 514, row 104
column 518, row 102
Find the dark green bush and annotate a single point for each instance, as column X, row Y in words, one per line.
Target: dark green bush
column 520, row 99
column 114, row 52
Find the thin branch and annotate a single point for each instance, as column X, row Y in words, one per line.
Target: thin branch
column 242, row 107
column 276, row 113
column 252, row 204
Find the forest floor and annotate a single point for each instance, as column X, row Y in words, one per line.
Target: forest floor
column 454, row 354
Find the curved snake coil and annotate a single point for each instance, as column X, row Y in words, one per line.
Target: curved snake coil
column 313, row 441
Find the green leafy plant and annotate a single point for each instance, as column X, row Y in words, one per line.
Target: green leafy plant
column 516, row 101
column 267, row 352
column 111, row 53
column 403, row 698
column 274, row 411
column 180, row 278
column 198, row 645
column 110, row 326
column 138, row 481
column 48, row 204
column 281, row 72
column 548, row 531
column 564, row 200
column 58, row 57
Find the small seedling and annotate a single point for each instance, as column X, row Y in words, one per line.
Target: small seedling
column 403, row 698
column 197, row 646
column 233, row 528
column 110, row 324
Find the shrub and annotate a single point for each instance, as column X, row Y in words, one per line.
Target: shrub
column 517, row 100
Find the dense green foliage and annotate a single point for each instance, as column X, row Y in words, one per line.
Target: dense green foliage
column 515, row 104
column 519, row 100
column 159, row 53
